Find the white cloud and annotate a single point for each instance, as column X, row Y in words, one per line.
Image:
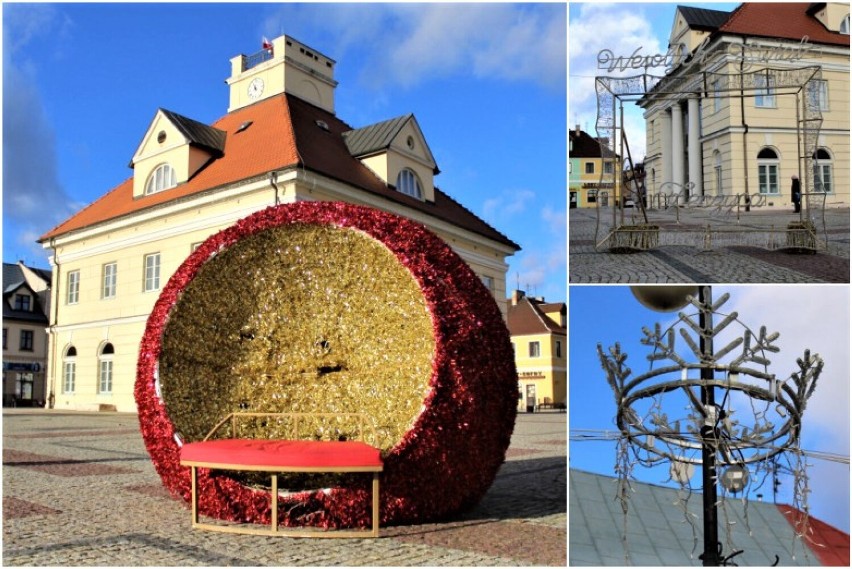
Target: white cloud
column 589, row 33
column 408, row 44
column 509, row 203
column 30, row 175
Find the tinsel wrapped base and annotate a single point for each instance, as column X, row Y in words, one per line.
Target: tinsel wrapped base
column 390, row 321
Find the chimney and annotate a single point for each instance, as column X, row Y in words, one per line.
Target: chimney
column 577, row 129
column 517, row 295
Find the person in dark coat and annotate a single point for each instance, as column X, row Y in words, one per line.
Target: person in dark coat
column 797, row 195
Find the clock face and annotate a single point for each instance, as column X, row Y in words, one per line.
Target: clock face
column 255, row 88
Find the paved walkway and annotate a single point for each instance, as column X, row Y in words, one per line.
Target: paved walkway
column 683, row 257
column 80, row 489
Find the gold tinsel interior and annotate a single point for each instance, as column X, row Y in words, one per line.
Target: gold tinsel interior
column 299, row 318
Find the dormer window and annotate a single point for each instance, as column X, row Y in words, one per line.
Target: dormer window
column 162, row 178
column 408, row 184
column 22, row 302
column 844, row 26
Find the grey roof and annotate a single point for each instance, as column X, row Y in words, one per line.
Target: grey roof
column 374, row 138
column 198, row 133
column 657, row 530
column 13, row 280
column 702, row 18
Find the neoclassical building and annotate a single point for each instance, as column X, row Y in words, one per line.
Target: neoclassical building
column 280, row 142
column 751, row 98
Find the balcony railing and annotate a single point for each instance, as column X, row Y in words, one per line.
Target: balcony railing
column 256, row 59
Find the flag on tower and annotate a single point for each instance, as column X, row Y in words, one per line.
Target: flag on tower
column 267, row 44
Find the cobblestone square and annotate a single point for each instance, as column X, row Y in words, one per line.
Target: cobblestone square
column 735, row 260
column 80, row 489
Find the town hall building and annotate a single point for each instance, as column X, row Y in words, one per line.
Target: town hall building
column 280, row 142
column 752, row 98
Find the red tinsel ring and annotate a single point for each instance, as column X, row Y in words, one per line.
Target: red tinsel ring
column 445, row 463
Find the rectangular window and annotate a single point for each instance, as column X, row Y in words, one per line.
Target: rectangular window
column 73, row 296
column 767, row 178
column 26, row 340
column 765, row 93
column 105, row 385
column 558, row 348
column 608, row 168
column 592, row 196
column 717, row 170
column 22, row 302
column 152, row 272
column 535, row 350
column 69, row 376
column 110, row 271
column 5, row 336
column 487, row 281
column 717, row 95
column 590, row 167
column 818, row 94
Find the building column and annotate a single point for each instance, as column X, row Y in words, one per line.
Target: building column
column 677, row 149
column 694, row 146
column 666, row 153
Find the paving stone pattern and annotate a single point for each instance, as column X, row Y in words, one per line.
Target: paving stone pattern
column 729, row 263
column 80, row 489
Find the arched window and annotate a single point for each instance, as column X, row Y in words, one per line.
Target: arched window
column 823, row 171
column 844, row 26
column 408, row 184
column 105, row 368
column 162, row 178
column 69, row 369
column 767, row 171
column 717, row 172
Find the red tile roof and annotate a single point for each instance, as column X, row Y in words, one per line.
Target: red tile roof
column 780, row 20
column 528, row 317
column 829, row 544
column 284, row 133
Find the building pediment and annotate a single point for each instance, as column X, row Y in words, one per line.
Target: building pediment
column 174, row 148
column 397, row 152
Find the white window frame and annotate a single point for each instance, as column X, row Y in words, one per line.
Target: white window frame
column 717, row 95
column 768, row 169
column 105, row 374
column 818, row 92
column 717, row 171
column 152, row 272
column 73, row 292
column 535, row 349
column 110, row 277
column 163, row 177
column 764, row 97
column 69, row 372
column 408, row 183
column 825, row 171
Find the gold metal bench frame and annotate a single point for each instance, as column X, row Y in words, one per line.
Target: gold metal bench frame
column 363, row 424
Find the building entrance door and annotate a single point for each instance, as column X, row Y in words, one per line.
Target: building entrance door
column 572, row 200
column 530, row 397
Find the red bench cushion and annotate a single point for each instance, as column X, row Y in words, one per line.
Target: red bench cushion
column 282, row 454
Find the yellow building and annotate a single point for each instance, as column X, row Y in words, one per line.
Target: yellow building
column 594, row 171
column 753, row 98
column 539, row 337
column 280, row 142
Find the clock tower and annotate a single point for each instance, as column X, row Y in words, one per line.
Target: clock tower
column 284, row 65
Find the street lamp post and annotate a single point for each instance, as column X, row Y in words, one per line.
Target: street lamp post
column 714, row 437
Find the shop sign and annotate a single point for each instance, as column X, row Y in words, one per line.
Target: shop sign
column 18, row 366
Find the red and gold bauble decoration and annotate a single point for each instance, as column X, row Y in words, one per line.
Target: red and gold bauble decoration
column 327, row 307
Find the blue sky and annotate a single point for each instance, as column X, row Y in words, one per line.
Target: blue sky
column 81, row 83
column 641, row 25
column 814, row 317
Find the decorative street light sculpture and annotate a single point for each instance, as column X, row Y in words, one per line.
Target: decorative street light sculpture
column 715, row 432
